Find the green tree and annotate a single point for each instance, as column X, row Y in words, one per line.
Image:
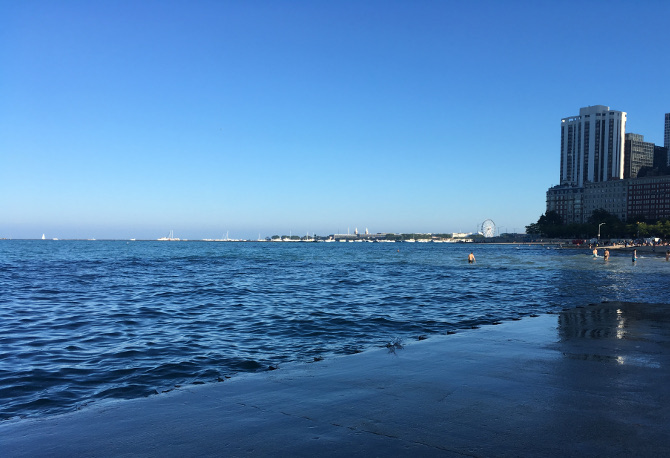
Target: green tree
column 551, row 218
column 613, row 226
column 533, row 228
column 665, row 229
column 550, row 224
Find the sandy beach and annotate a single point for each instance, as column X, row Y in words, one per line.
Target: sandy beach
column 589, row 381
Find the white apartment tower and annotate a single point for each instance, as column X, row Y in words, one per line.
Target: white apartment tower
column 592, row 146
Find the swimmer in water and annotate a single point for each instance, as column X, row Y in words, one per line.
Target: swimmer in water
column 634, row 256
column 606, row 254
column 471, row 258
column 595, row 252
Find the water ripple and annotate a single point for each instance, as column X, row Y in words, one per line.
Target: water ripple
column 81, row 321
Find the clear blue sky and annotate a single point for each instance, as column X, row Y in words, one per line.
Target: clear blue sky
column 128, row 119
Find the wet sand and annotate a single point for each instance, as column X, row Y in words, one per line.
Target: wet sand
column 591, row 381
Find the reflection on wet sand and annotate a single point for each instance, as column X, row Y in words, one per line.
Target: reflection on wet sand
column 593, row 322
column 631, row 324
column 517, row 389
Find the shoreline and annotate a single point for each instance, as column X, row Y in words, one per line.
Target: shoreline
column 594, row 374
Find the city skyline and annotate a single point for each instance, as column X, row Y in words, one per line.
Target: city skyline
column 605, row 168
column 129, row 120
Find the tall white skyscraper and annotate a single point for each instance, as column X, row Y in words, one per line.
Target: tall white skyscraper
column 592, row 146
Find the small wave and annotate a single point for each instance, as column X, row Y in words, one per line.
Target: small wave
column 125, row 392
column 117, row 320
column 247, row 366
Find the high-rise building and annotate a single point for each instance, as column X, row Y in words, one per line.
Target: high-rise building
column 661, row 158
column 592, row 146
column 637, row 154
column 649, row 198
column 603, row 168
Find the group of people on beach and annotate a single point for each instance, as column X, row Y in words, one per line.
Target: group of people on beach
column 606, row 255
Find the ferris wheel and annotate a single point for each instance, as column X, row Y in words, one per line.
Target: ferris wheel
column 488, row 228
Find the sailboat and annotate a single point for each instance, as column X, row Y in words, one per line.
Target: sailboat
column 43, row 237
column 169, row 238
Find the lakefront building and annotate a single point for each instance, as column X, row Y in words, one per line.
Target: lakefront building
column 592, row 146
column 637, row 154
column 602, row 167
column 649, row 198
column 611, row 196
column 567, row 202
column 661, row 156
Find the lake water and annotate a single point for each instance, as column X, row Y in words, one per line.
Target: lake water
column 82, row 321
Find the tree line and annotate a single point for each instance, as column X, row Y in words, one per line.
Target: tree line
column 551, row 225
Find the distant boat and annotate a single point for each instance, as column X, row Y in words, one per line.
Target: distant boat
column 169, row 238
column 43, row 237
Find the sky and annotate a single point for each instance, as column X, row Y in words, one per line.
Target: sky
column 129, row 119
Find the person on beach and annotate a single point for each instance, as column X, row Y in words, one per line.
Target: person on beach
column 606, row 255
column 634, row 256
column 471, row 258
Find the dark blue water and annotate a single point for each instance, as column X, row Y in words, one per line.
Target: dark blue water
column 82, row 321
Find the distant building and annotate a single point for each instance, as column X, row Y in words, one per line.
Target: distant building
column 611, row 196
column 592, row 146
column 567, row 202
column 637, row 154
column 602, row 167
column 661, row 158
column 649, row 198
